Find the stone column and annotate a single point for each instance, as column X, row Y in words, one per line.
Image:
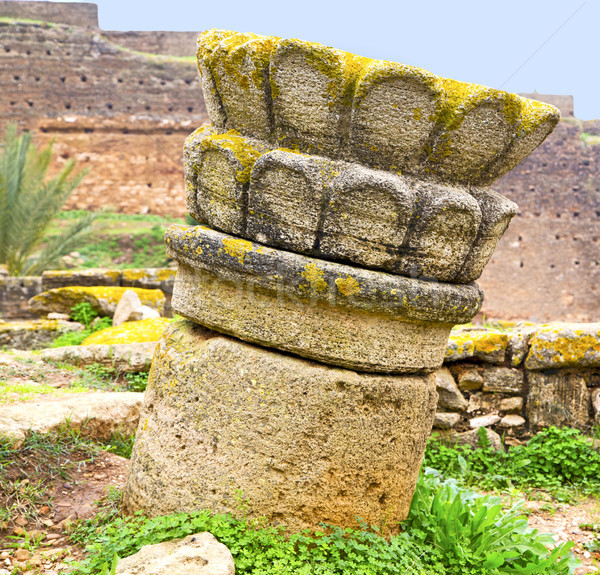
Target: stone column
column 346, row 214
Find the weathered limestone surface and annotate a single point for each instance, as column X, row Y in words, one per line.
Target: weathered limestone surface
column 103, row 299
column 560, row 399
column 300, row 442
column 334, row 313
column 340, row 211
column 199, row 554
column 97, row 414
column 33, row 334
column 123, row 357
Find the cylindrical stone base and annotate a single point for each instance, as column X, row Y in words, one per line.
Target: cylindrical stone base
column 233, row 427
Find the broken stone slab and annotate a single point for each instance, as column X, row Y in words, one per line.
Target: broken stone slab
column 564, row 345
column 199, row 554
column 340, row 211
column 559, row 399
column 33, row 334
column 122, row 357
column 303, row 442
column 338, row 314
column 503, row 380
column 450, row 396
column 381, row 114
column 445, row 420
column 96, row 414
column 487, row 345
column 52, row 279
column 103, row 299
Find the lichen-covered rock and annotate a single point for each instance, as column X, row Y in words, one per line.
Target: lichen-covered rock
column 381, row 114
column 103, row 299
column 199, row 554
column 299, row 442
column 52, row 279
column 450, row 396
column 33, row 334
column 146, row 330
column 564, row 345
column 559, row 399
column 340, row 211
column 487, row 345
column 338, row 314
column 122, row 357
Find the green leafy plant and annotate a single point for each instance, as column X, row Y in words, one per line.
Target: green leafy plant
column 29, row 200
column 473, row 535
column 120, row 444
column 559, row 460
column 83, row 313
column 137, row 381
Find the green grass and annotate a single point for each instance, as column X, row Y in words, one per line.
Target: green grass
column 590, row 139
column 17, row 391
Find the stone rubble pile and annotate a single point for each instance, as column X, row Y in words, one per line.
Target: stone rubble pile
column 347, row 214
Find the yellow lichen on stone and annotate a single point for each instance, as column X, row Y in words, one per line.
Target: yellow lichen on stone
column 315, row 277
column 237, row 248
column 565, row 345
column 129, row 332
column 242, row 149
column 347, row 286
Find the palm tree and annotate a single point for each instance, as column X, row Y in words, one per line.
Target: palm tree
column 29, row 201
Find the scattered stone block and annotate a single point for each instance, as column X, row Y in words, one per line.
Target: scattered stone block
column 323, row 438
column 450, row 396
column 502, row 380
column 565, row 345
column 511, row 404
column 97, row 414
column 129, row 308
column 53, row 279
column 101, row 298
column 342, row 315
column 122, row 357
column 469, row 377
column 512, row 420
column 444, row 420
column 559, row 399
column 199, row 554
column 484, row 420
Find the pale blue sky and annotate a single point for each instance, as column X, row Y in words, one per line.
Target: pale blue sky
column 550, row 46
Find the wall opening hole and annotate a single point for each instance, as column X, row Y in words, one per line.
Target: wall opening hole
column 83, row 78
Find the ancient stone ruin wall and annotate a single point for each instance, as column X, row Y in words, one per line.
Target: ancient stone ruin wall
column 122, row 114
column 70, row 13
column 182, row 44
column 547, row 266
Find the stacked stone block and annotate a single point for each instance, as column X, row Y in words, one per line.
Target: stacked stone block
column 345, row 214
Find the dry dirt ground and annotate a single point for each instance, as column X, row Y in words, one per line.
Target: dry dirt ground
column 88, row 480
